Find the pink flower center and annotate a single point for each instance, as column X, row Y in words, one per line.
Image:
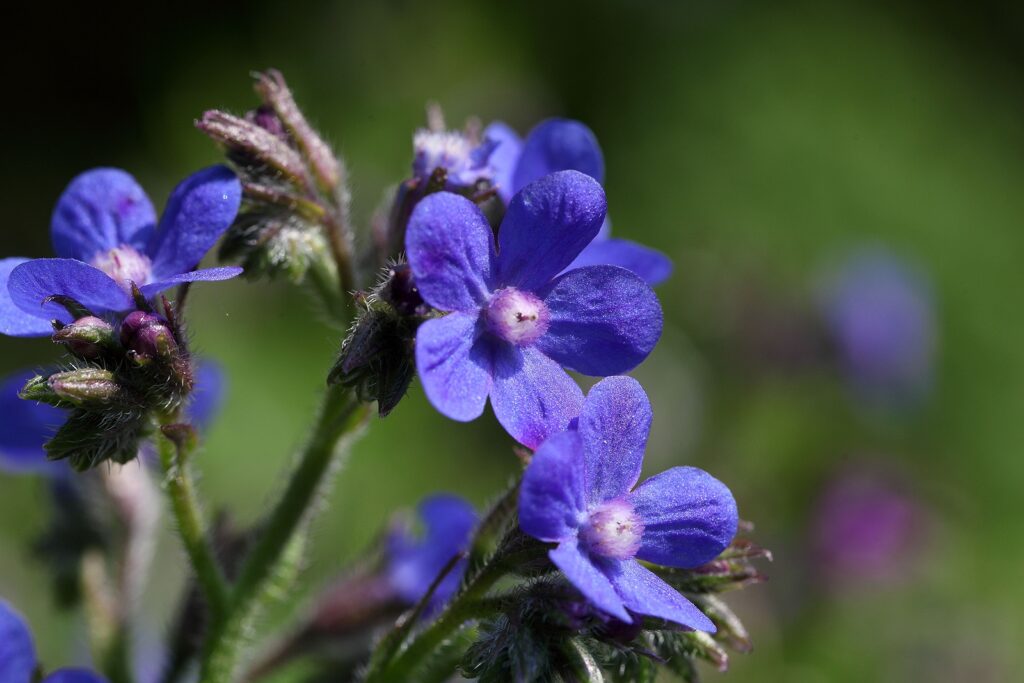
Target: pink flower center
column 518, row 317
column 613, row 530
column 124, row 264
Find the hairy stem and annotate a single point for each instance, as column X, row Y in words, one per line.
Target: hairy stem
column 341, row 414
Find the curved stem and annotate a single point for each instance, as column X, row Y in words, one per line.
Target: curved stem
column 341, row 414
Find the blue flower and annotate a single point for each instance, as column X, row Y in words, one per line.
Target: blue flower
column 105, row 233
column 516, row 321
column 18, row 654
column 415, row 562
column 26, row 426
column 881, row 317
column 578, row 492
column 465, row 161
column 561, row 145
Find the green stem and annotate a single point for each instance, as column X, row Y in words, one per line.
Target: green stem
column 191, row 527
column 341, row 414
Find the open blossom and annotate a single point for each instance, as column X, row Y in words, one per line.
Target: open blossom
column 414, row 562
column 561, row 145
column 106, row 235
column 464, row 160
column 578, row 492
column 515, row 322
column 18, row 654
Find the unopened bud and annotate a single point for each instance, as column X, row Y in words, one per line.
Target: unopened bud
column 265, row 118
column 87, row 337
column 250, row 143
column 401, row 292
column 149, row 336
column 84, row 388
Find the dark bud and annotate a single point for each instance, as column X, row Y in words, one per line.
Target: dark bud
column 88, row 338
column 148, row 337
column 401, row 292
column 265, row 118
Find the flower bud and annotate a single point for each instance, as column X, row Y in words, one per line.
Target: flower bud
column 83, row 388
column 87, row 337
column 250, row 144
column 148, row 336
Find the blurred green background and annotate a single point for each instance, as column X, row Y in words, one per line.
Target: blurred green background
column 753, row 142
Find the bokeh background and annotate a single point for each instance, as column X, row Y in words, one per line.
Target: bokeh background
column 759, row 144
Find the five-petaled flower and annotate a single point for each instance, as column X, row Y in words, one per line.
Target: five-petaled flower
column 18, row 654
column 415, row 562
column 562, row 145
column 516, row 322
column 578, row 492
column 106, row 236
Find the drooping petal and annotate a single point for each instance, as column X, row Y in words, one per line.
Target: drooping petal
column 582, row 573
column 74, row 676
column 208, row 394
column 454, row 363
column 100, row 210
column 532, row 396
column 450, row 247
column 204, row 275
column 546, row 226
column 552, row 495
column 646, row 593
column 414, row 563
column 559, row 145
column 33, row 281
column 604, row 320
column 504, row 157
column 614, row 425
column 689, row 517
column 24, row 427
column 17, row 651
column 198, row 212
column 649, row 265
column 15, row 322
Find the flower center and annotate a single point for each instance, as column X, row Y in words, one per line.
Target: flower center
column 124, row 263
column 613, row 530
column 465, row 161
column 517, row 317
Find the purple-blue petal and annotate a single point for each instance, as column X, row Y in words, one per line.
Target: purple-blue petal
column 559, row 145
column 454, row 365
column 74, row 676
column 208, row 395
column 100, row 210
column 546, row 226
column 504, row 157
column 32, row 282
column 553, row 496
column 450, row 247
column 649, row 265
column 204, row 275
column 689, row 517
column 200, row 209
column 24, row 427
column 15, row 322
column 414, row 563
column 581, row 571
column 532, row 396
column 17, row 651
column 614, row 425
column 604, row 320
column 644, row 592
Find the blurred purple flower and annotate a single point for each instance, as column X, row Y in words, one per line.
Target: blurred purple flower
column 105, row 233
column 18, row 654
column 465, row 161
column 880, row 312
column 25, row 426
column 867, row 528
column 578, row 492
column 563, row 145
column 516, row 321
column 415, row 562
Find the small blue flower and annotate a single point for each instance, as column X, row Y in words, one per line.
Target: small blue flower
column 18, row 654
column 881, row 316
column 562, row 145
column 26, row 426
column 415, row 562
column 578, row 492
column 105, row 233
column 465, row 161
column 516, row 321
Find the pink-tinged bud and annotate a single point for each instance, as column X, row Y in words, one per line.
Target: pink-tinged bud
column 87, row 337
column 148, row 335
